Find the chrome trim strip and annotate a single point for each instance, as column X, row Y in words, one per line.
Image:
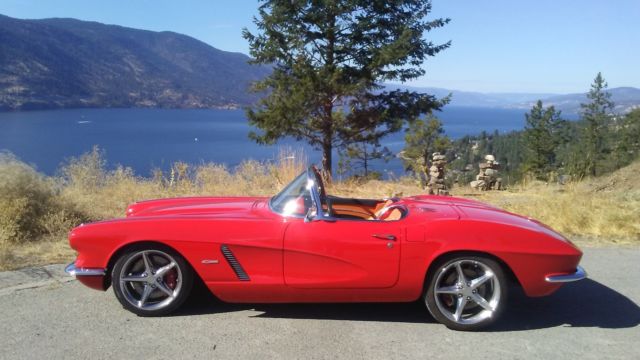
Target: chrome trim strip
column 72, row 270
column 578, row 275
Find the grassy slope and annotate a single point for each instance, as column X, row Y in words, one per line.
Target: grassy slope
column 36, row 212
column 596, row 211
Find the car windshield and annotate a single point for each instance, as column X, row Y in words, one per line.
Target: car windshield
column 295, row 199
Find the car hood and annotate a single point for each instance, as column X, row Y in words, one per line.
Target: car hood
column 210, row 206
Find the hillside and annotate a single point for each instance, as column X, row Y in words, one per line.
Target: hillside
column 56, row 63
column 475, row 98
column 625, row 98
column 595, row 210
column 69, row 63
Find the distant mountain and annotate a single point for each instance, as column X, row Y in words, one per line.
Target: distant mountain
column 66, row 63
column 625, row 99
column 55, row 63
column 476, row 99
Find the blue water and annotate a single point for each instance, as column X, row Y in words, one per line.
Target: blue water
column 144, row 139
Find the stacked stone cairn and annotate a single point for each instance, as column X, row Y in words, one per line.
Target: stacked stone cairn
column 488, row 178
column 436, row 185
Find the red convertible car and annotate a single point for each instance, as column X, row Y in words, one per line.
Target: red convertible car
column 457, row 255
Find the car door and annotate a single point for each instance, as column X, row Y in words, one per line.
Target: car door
column 342, row 254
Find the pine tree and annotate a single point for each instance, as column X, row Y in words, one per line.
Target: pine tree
column 597, row 116
column 541, row 138
column 628, row 143
column 359, row 157
column 422, row 139
column 329, row 59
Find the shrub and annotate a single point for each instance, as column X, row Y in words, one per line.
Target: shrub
column 29, row 205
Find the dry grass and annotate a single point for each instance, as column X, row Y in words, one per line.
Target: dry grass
column 102, row 194
column 43, row 252
column 36, row 211
column 597, row 211
column 375, row 189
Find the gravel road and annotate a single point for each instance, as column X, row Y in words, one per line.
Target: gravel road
column 54, row 318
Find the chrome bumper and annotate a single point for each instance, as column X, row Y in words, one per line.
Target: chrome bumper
column 578, row 275
column 72, row 270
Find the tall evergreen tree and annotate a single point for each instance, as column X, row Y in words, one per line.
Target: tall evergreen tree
column 541, row 139
column 596, row 115
column 422, row 139
column 359, row 156
column 628, row 139
column 329, row 60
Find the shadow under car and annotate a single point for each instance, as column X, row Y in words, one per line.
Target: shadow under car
column 586, row 303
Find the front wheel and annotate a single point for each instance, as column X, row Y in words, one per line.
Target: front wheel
column 466, row 292
column 151, row 280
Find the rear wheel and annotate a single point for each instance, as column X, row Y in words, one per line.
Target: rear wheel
column 466, row 292
column 151, row 280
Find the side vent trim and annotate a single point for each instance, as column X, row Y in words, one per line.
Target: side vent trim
column 234, row 263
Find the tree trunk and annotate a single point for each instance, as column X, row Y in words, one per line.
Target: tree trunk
column 327, row 148
column 327, row 144
column 366, row 162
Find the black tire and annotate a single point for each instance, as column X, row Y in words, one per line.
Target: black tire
column 482, row 293
column 149, row 293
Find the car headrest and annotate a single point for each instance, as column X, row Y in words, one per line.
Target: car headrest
column 391, row 213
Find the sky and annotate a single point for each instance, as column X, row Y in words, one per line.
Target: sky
column 541, row 46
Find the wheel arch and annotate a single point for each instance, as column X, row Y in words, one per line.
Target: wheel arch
column 139, row 243
column 445, row 256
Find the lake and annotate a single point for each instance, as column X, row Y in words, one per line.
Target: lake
column 144, row 139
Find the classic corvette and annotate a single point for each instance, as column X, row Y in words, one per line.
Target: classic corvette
column 459, row 256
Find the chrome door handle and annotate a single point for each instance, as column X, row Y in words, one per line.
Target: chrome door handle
column 388, row 237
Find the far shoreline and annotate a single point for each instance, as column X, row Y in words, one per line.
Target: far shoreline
column 53, row 108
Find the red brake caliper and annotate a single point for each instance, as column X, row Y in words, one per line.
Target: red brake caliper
column 448, row 300
column 171, row 279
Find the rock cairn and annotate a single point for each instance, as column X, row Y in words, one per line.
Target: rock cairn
column 488, row 178
column 436, row 185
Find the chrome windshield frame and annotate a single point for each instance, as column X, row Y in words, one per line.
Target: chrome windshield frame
column 315, row 196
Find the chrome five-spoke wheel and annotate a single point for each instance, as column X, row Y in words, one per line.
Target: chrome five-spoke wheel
column 151, row 281
column 466, row 293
